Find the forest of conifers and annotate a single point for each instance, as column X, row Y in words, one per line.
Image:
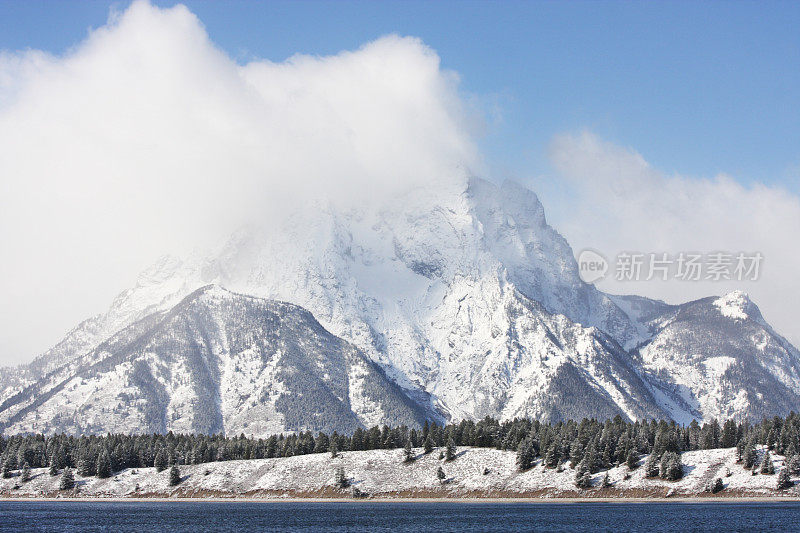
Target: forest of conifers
column 587, row 444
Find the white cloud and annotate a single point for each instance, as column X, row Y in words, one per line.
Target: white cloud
column 615, row 201
column 146, row 139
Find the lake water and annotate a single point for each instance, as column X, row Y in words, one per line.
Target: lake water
column 150, row 517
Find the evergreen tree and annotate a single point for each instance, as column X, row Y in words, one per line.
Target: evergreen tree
column 606, row 457
column 385, row 440
column 53, row 465
column 584, row 481
column 651, row 466
column 450, row 449
column 717, row 486
column 7, row 468
column 663, row 465
column 174, row 476
column 322, row 443
column 771, row 437
column 632, row 460
column 160, row 461
column 794, row 465
column 59, row 457
column 553, row 456
column 334, row 449
column 590, row 458
column 766, row 464
column 428, row 444
column 26, row 472
column 85, row 466
column 693, row 435
column 716, row 433
column 67, row 480
column 575, row 453
column 582, row 474
column 665, row 441
column 408, row 452
column 440, row 474
column 784, row 480
column 340, row 478
column 729, row 434
column 524, row 455
column 790, row 450
column 606, row 481
column 671, row 468
column 103, row 465
column 749, row 455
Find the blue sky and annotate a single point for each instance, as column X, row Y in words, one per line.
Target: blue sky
column 696, row 88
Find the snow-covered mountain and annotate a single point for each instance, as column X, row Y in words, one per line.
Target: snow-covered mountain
column 466, row 299
column 216, row 362
column 723, row 359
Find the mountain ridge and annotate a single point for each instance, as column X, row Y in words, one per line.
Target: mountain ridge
column 472, row 304
column 185, row 364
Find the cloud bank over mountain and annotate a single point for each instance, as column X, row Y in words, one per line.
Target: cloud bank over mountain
column 619, row 202
column 147, row 139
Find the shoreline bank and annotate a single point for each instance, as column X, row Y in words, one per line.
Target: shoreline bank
column 389, row 499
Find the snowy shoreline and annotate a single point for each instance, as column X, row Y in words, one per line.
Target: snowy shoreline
column 445, row 499
column 475, row 475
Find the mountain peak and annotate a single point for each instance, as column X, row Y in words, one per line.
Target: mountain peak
column 458, row 305
column 737, row 305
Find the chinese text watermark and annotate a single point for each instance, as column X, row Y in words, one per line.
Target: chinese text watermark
column 683, row 266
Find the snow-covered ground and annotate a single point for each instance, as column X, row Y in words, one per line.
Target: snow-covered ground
column 476, row 472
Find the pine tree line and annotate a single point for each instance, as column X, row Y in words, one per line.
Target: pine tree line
column 587, row 446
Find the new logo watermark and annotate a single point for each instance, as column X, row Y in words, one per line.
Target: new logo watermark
column 592, row 266
column 684, row 266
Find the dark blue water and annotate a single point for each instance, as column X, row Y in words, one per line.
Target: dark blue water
column 150, row 517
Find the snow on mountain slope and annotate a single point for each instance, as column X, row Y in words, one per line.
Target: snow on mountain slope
column 505, row 355
column 469, row 301
column 217, row 362
column 720, row 355
column 429, row 292
column 539, row 261
column 157, row 288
